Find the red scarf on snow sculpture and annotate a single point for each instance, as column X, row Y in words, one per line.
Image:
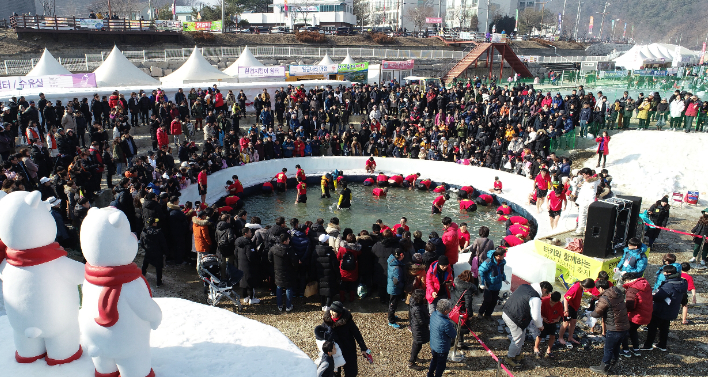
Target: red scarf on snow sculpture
column 112, row 279
column 3, row 252
column 32, row 257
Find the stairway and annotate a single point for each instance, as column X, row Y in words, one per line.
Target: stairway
column 466, row 62
column 506, row 52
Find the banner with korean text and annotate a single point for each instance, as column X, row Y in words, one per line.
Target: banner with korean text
column 398, row 66
column 279, row 71
column 19, row 83
column 304, row 70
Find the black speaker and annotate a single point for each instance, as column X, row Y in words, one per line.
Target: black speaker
column 634, row 220
column 599, row 234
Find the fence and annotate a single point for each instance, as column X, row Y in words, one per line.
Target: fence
column 563, row 143
column 91, row 61
column 54, row 23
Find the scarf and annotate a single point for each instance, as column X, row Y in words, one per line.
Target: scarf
column 32, row 257
column 112, row 279
column 3, row 251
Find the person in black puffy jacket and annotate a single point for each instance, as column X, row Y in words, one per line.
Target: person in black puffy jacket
column 419, row 325
column 666, row 306
column 155, row 246
column 225, row 237
column 285, row 265
column 463, row 291
column 382, row 250
column 249, row 262
column 347, row 335
column 325, row 269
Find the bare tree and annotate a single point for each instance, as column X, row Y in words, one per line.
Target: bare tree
column 361, row 10
column 473, row 23
column 303, row 11
column 530, row 19
column 121, row 8
column 418, row 16
column 462, row 15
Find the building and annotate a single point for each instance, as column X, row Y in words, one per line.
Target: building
column 184, row 13
column 9, row 7
column 323, row 13
column 460, row 12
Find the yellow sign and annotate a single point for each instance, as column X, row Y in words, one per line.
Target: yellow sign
column 574, row 266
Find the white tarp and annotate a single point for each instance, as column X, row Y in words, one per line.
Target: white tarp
column 195, row 69
column 116, row 71
column 48, row 65
column 246, row 59
column 655, row 53
column 326, row 60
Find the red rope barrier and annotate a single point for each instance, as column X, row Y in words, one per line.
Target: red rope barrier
column 490, row 352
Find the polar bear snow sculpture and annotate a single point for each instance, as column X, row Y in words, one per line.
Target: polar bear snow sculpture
column 117, row 312
column 39, row 282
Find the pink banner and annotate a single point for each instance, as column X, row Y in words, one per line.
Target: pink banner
column 203, row 25
column 398, row 66
column 433, row 20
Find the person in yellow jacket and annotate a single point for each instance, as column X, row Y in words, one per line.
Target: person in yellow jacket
column 324, row 187
column 642, row 116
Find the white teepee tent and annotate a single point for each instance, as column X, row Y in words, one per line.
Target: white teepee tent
column 195, row 69
column 116, row 70
column 327, row 60
column 246, row 59
column 348, row 60
column 48, row 65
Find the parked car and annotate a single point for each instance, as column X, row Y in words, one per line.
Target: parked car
column 279, row 30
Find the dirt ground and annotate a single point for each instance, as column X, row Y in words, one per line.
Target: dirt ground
column 687, row 354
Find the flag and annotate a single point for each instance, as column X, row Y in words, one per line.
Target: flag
column 559, row 22
column 174, row 4
column 591, row 24
column 516, row 21
column 624, row 30
column 702, row 54
column 286, row 6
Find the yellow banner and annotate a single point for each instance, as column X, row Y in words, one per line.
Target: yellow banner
column 574, row 266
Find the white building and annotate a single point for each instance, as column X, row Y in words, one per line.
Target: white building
column 462, row 11
column 324, row 13
column 184, row 13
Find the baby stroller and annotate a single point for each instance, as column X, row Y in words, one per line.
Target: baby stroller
column 220, row 289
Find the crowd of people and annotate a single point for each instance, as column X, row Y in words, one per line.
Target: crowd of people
column 44, row 147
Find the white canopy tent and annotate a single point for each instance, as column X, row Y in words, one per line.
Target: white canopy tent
column 348, row 60
column 640, row 56
column 246, row 59
column 117, row 71
column 48, row 65
column 195, row 69
column 327, row 60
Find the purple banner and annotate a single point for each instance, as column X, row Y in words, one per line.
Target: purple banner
column 19, row 83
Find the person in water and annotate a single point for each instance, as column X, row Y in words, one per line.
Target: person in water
column 281, row 180
column 345, row 197
column 438, row 204
column 324, row 186
column 301, row 190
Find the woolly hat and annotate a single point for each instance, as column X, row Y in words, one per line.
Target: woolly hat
column 443, row 260
column 337, row 307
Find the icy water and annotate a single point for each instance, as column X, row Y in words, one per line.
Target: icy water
column 366, row 209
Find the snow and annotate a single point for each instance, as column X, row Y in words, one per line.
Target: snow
column 192, row 340
column 651, row 164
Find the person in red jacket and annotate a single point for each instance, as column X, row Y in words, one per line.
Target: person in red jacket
column 299, row 147
column 542, row 184
column 438, row 204
column 235, row 188
column 555, row 201
column 467, row 205
column 382, row 180
column 441, row 188
column 301, row 190
column 379, row 191
column 484, row 200
column 176, row 130
column 368, row 181
column 281, row 180
column 300, row 174
column 519, row 230
column 572, row 300
column 512, row 240
column 497, row 186
column 505, row 208
column 383, row 227
column 411, row 179
column 370, row 165
column 267, row 187
column 162, row 136
column 450, row 238
column 439, row 271
column 639, row 305
column 517, row 220
column 202, row 184
column 502, row 216
column 402, row 224
column 468, row 190
column 348, row 255
column 464, row 237
column 551, row 310
column 218, row 100
column 396, row 180
column 424, row 184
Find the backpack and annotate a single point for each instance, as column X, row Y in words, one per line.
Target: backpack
column 348, row 263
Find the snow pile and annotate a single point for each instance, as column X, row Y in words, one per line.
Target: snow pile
column 651, row 164
column 192, row 340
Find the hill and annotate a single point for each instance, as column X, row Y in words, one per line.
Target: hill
column 652, row 21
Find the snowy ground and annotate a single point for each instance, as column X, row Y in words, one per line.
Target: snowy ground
column 651, row 164
column 192, row 340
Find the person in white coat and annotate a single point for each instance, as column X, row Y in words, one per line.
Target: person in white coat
column 586, row 196
column 676, row 111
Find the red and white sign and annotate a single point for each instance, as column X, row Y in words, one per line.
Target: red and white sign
column 398, row 66
column 433, row 20
column 203, row 25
